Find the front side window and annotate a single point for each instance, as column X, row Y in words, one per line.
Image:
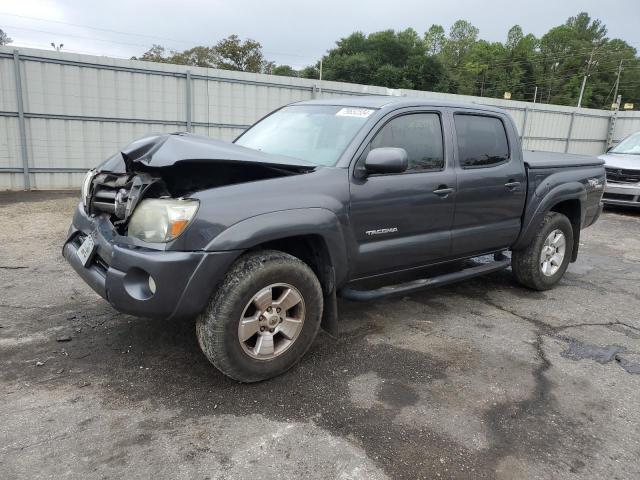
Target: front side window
column 482, row 140
column 420, row 134
column 318, row 134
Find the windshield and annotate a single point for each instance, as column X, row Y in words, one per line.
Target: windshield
column 630, row 145
column 315, row 133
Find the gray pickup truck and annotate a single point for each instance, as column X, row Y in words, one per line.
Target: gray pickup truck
column 361, row 198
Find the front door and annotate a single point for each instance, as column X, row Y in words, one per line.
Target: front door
column 403, row 220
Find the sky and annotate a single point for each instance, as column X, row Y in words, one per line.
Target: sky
column 292, row 32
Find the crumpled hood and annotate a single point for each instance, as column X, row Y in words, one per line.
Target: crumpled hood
column 159, row 151
column 621, row 160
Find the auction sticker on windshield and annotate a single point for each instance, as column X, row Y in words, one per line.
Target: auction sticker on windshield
column 354, row 112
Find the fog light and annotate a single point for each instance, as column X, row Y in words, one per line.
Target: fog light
column 152, row 285
column 139, row 284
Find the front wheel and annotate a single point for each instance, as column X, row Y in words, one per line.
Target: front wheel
column 263, row 318
column 543, row 262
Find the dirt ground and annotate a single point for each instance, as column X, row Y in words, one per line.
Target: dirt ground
column 483, row 379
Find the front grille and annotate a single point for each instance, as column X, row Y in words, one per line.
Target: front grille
column 99, row 262
column 116, row 195
column 622, row 175
column 109, row 191
column 618, row 196
column 104, row 199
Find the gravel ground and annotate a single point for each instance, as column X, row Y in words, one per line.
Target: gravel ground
column 483, row 379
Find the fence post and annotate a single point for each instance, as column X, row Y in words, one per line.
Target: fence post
column 524, row 126
column 188, row 101
column 21, row 125
column 612, row 122
column 566, row 145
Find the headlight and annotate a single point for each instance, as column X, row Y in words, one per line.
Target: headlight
column 161, row 220
column 85, row 191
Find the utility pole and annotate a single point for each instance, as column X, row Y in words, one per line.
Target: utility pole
column 584, row 82
column 586, row 74
column 615, row 93
column 535, row 95
column 612, row 120
column 320, row 82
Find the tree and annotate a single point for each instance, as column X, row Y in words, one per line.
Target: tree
column 435, row 39
column 284, row 71
column 156, row 53
column 196, row 56
column 230, row 53
column 311, row 71
column 425, row 73
column 234, row 54
column 4, row 38
column 572, row 51
column 459, row 62
column 462, row 38
column 394, row 59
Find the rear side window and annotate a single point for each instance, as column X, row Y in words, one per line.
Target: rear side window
column 420, row 134
column 482, row 141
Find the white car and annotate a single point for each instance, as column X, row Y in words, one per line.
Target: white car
column 622, row 165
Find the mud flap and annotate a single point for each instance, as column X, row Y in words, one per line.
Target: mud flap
column 330, row 313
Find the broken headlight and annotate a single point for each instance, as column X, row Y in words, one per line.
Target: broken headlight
column 160, row 220
column 85, row 191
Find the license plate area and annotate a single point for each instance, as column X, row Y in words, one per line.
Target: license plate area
column 86, row 250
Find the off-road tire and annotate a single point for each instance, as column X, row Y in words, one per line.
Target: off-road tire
column 217, row 326
column 525, row 263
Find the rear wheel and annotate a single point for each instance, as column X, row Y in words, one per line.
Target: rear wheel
column 263, row 318
column 543, row 262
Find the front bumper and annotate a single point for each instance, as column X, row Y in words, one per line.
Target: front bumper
column 120, row 272
column 627, row 194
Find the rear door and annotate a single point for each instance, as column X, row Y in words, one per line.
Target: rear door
column 404, row 220
column 491, row 183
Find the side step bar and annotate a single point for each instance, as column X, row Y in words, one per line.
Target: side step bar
column 500, row 262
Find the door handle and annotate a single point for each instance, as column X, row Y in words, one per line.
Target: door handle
column 443, row 191
column 512, row 186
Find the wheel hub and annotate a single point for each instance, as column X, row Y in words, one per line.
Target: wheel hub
column 271, row 321
column 552, row 253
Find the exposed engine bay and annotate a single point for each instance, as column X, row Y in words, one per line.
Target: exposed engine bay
column 175, row 166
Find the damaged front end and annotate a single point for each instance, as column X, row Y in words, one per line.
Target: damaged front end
column 118, row 194
column 175, row 166
column 124, row 237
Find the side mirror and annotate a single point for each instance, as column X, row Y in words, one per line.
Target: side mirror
column 386, row 160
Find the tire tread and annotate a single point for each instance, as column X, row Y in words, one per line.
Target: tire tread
column 525, row 262
column 211, row 325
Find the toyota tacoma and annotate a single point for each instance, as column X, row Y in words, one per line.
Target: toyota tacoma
column 360, row 198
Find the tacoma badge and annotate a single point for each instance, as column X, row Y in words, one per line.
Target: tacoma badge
column 381, row 231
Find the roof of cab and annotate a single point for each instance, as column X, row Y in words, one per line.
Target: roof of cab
column 382, row 101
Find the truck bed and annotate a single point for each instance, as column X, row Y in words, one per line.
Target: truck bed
column 537, row 159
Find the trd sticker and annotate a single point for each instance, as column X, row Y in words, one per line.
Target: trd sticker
column 595, row 183
column 381, row 231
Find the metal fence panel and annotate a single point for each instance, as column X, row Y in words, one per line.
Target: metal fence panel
column 79, row 91
column 9, row 143
column 7, row 85
column 80, row 109
column 626, row 124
